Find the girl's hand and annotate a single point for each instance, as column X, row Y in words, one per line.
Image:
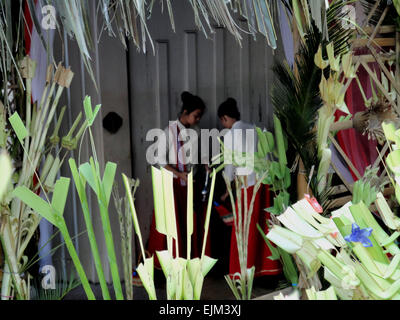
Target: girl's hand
column 182, row 175
column 224, row 196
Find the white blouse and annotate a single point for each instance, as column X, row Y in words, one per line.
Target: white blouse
column 241, row 138
column 182, row 147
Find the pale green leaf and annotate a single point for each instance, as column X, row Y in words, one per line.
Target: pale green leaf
column 194, row 267
column 285, row 239
column 158, row 195
column 386, row 213
column 5, row 173
column 207, row 264
column 133, row 211
column 294, row 222
column 187, row 286
column 165, row 259
column 19, row 127
column 393, row 266
column 90, row 114
column 52, row 175
column 96, row 110
column 108, row 179
column 46, row 167
column 208, row 214
column 189, row 218
column 86, row 171
column 36, row 203
column 60, row 195
column 87, row 105
column 169, row 203
column 146, row 273
column 198, row 286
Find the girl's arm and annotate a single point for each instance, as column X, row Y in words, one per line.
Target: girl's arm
column 182, row 175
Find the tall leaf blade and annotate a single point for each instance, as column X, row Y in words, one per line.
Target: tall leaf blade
column 189, row 218
column 145, row 271
column 5, row 173
column 60, row 195
column 19, row 127
column 169, row 203
column 80, row 187
column 86, row 171
column 158, row 195
column 208, row 214
column 36, row 203
column 133, row 211
column 108, row 179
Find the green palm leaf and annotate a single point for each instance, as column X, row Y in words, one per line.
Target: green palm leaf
column 296, row 99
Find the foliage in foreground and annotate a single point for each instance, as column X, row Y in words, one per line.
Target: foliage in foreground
column 360, row 258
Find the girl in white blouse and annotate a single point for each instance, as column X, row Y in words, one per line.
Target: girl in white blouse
column 176, row 160
column 242, row 137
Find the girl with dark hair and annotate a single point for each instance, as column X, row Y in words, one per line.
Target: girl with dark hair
column 180, row 165
column 190, row 115
column 237, row 139
column 228, row 113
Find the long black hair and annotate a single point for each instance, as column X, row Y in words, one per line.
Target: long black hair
column 191, row 103
column 229, row 108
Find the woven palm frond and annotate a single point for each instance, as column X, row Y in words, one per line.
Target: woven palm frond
column 377, row 113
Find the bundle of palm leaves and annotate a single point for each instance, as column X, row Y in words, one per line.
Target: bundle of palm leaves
column 296, row 100
column 296, row 95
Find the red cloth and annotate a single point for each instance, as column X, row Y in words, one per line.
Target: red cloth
column 225, row 214
column 28, row 28
column 361, row 151
column 258, row 251
column 158, row 241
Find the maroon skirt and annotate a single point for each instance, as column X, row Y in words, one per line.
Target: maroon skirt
column 158, row 241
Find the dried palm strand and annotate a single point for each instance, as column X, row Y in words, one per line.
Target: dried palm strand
column 125, row 224
column 242, row 284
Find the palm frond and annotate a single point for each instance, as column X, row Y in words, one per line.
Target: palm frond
column 329, row 21
column 130, row 18
column 10, row 44
column 74, row 17
column 340, row 36
column 391, row 15
column 296, row 99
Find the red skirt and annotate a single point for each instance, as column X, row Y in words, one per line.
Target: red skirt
column 158, row 241
column 258, row 251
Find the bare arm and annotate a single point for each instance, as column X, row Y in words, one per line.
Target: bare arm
column 182, row 175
